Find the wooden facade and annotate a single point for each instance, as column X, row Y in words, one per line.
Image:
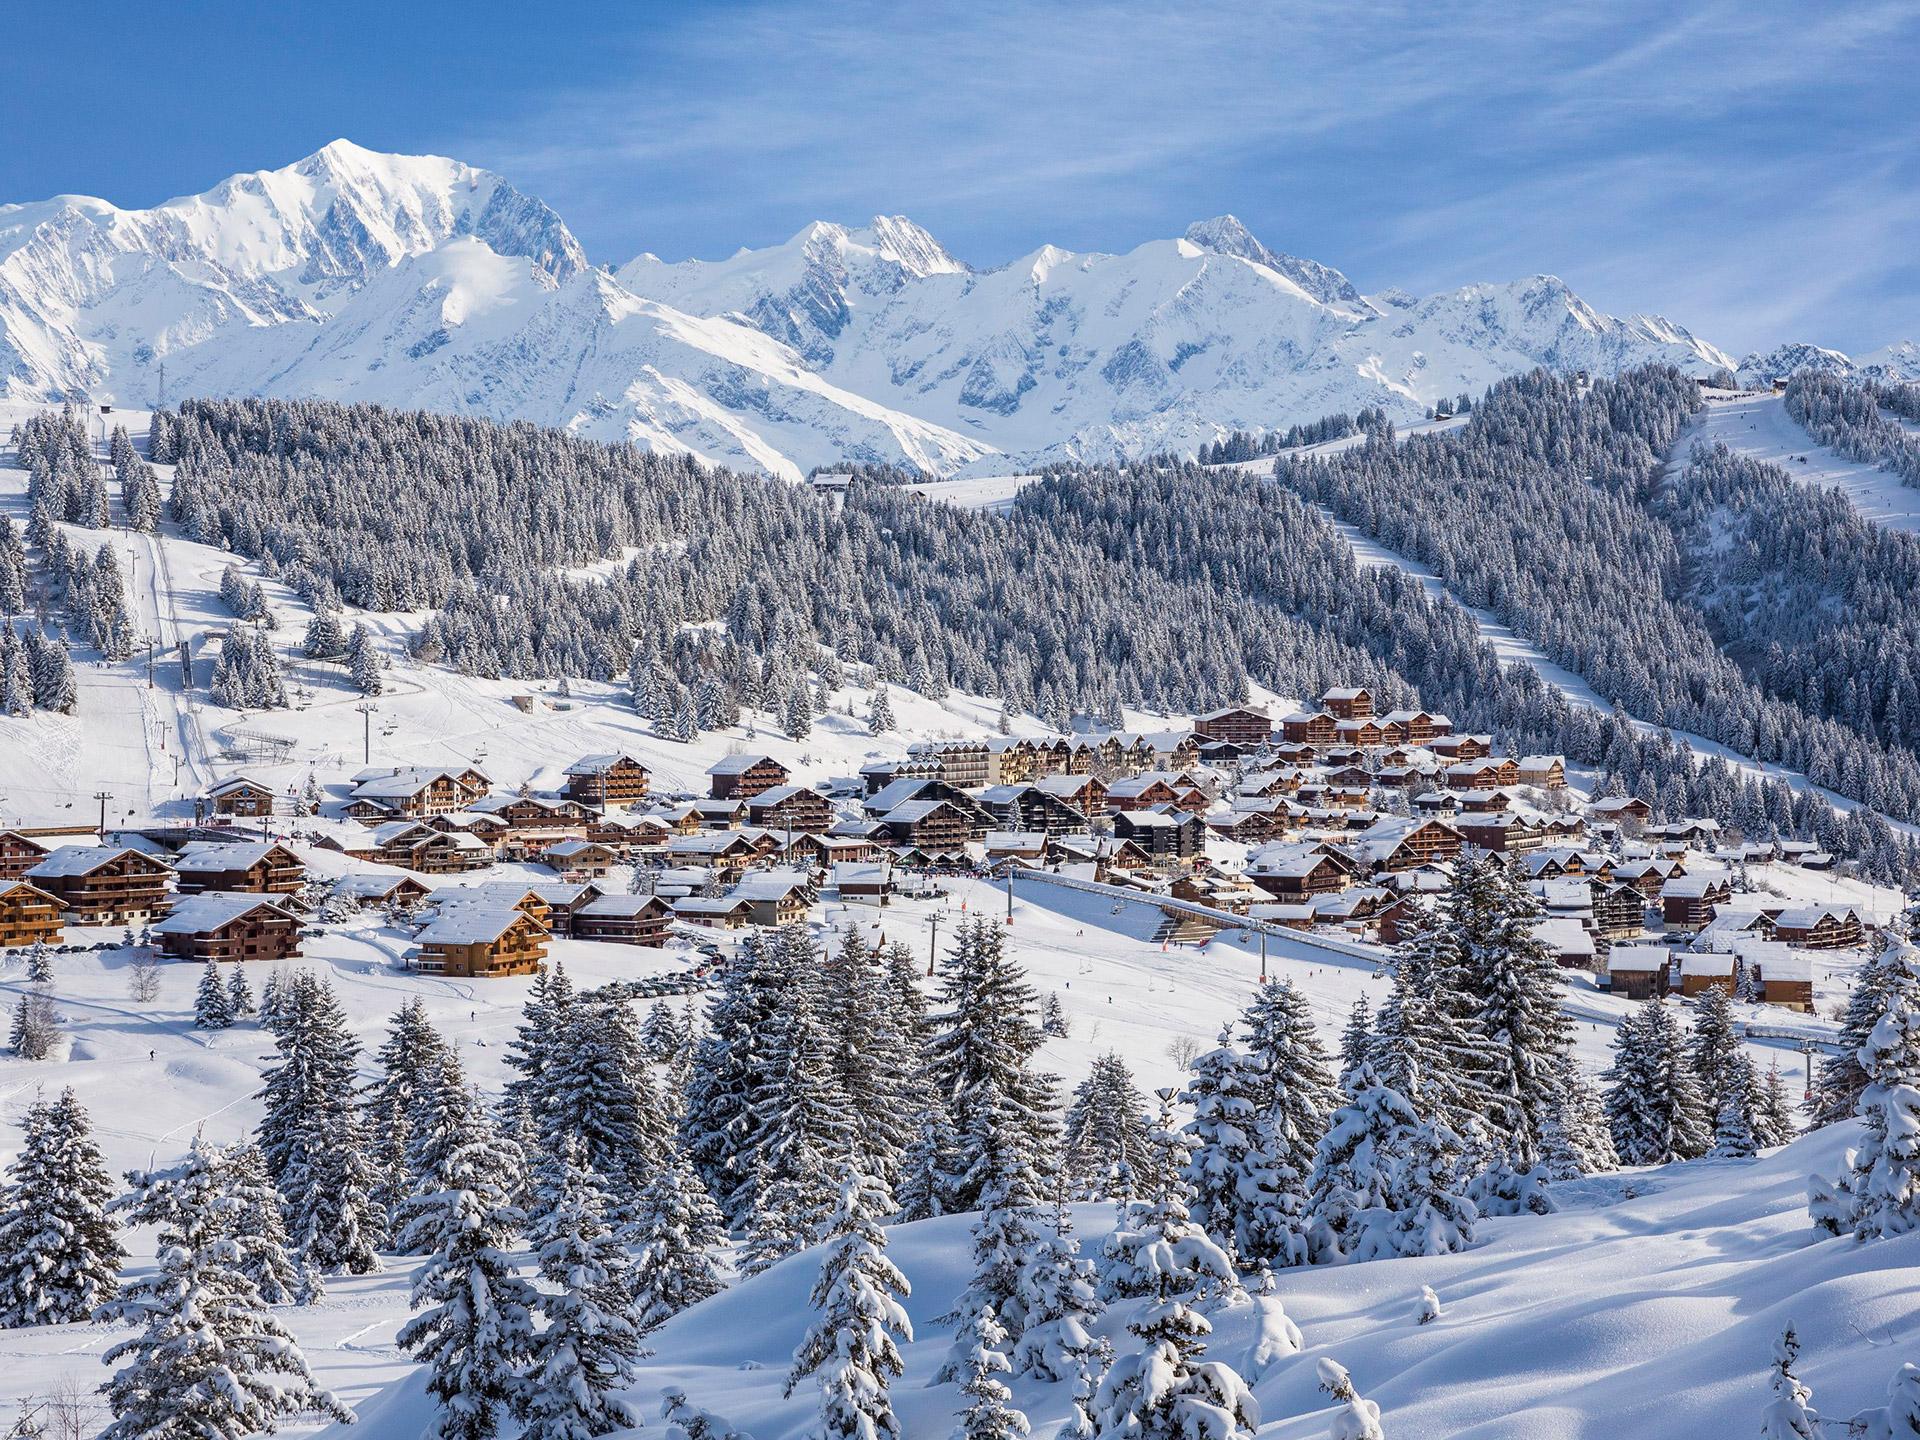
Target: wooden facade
column 19, row 854
column 479, row 943
column 741, row 777
column 201, row 929
column 28, row 915
column 606, row 781
column 102, row 885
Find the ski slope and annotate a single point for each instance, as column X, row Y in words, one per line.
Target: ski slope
column 1759, row 427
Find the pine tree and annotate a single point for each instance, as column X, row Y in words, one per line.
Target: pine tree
column 1159, row 1234
column 853, row 1344
column 1789, row 1414
column 1733, row 1129
column 36, row 1027
column 1879, row 1195
column 676, row 1230
column 1059, row 1298
column 1163, row 1389
column 363, row 661
column 978, row 1061
column 876, row 1056
column 597, row 1089
column 798, row 720
column 411, row 1058
column 39, row 964
column 926, row 1168
column 212, row 1006
column 1653, row 1106
column 1357, row 1419
column 880, row 712
column 266, row 1257
column 240, row 994
column 474, row 1328
column 590, row 1344
column 1887, row 971
column 211, row 1359
column 1106, row 1133
column 1008, row 1227
column 311, row 1134
column 59, row 1254
column 1773, row 1116
column 1236, row 1191
column 989, row 1414
column 1713, row 1050
column 719, row 1129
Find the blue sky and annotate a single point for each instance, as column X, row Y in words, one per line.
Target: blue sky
column 1751, row 170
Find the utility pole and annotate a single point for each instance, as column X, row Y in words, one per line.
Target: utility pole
column 1263, row 957
column 103, row 796
column 933, row 945
column 366, row 708
column 1010, row 870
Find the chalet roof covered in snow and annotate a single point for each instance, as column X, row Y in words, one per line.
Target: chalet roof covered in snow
column 480, row 924
column 211, row 909
column 74, row 860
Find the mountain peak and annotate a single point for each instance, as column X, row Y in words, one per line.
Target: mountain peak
column 1228, row 235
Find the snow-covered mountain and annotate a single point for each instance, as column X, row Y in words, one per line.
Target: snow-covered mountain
column 1899, row 361
column 422, row 281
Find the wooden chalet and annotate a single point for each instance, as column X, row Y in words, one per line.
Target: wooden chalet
column 580, row 857
column 798, row 808
column 104, row 884
column 776, row 897
column 936, row 827
column 1689, row 902
column 537, row 813
column 412, row 845
column 1785, row 976
column 1638, row 972
column 1819, row 927
column 1141, row 792
column 1241, row 725
column 1453, row 748
column 965, row 763
column 1545, row 772
column 241, row 795
column 1319, row 873
column 1395, row 844
column 1704, row 970
column 1414, row 727
column 379, row 887
column 1347, row 703
column 1164, row 834
column 1083, row 792
column 1314, row 728
column 714, row 912
column 480, row 941
column 1502, row 833
column 261, row 868
column 415, row 791
column 19, row 853
column 28, row 914
column 1619, row 911
column 741, row 777
column 606, row 781
column 223, row 925
column 624, row 920
column 1619, row 808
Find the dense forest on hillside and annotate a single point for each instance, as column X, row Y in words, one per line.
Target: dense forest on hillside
column 1160, row 586
column 1544, row 509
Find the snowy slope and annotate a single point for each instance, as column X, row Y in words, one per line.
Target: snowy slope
column 420, row 281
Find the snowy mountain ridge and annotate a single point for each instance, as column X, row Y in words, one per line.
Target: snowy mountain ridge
column 421, row 281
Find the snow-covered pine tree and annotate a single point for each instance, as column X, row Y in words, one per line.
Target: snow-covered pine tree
column 687, row 1421
column 597, row 1089
column 1733, row 1126
column 1429, row 1043
column 589, row 1345
column 989, row 1414
column 254, row 1207
column 212, row 1006
column 718, row 1128
column 240, row 994
column 1653, row 1106
column 1059, row 1298
column 211, row 1359
column 1773, row 1122
column 39, row 964
column 1789, row 1412
column 1577, row 1141
column 1009, row 1225
column 311, row 1135
column 59, row 1253
column 979, row 1058
column 1890, row 969
column 410, row 1058
column 363, row 661
column 805, row 1136
column 1879, row 1194
column 925, row 1186
column 797, row 720
column 880, row 712
column 1355, row 1039
column 1106, row 1133
column 474, row 1329
column 1236, row 1192
column 1513, row 975
column 1158, row 1234
column 876, row 1057
column 853, row 1344
column 1356, row 1419
column 36, row 1027
column 1162, row 1388
column 1713, row 1050
column 676, row 1230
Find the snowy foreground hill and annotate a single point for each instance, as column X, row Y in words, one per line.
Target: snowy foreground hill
column 420, row 281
